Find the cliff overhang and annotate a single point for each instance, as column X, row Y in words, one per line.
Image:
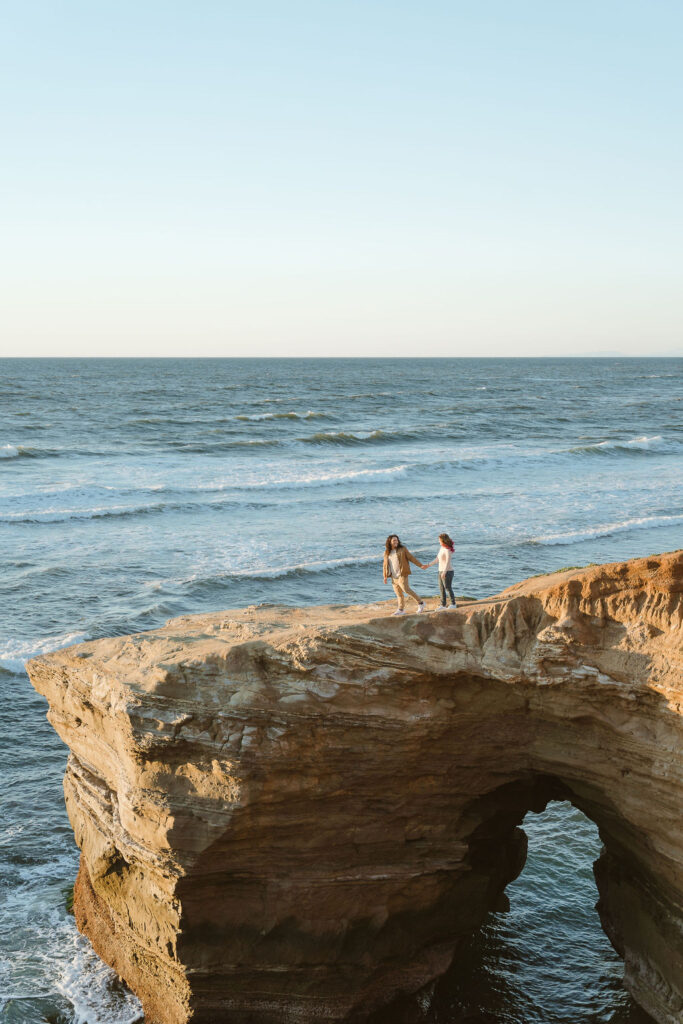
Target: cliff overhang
column 301, row 814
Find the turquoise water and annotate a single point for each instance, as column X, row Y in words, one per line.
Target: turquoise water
column 133, row 491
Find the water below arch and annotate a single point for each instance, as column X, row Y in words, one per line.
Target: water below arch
column 546, row 960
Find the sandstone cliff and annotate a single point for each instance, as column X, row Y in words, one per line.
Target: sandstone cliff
column 296, row 815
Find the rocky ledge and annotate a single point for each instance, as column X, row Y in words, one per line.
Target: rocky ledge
column 297, row 815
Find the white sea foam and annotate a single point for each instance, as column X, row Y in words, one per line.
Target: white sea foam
column 346, row 438
column 90, row 986
column 15, row 653
column 8, row 451
column 643, row 444
column 68, row 491
column 310, row 415
column 592, row 533
column 310, row 480
column 371, row 394
column 65, row 962
column 273, row 572
column 61, row 515
column 333, row 478
column 44, row 952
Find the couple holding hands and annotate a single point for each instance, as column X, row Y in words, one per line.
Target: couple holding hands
column 396, row 568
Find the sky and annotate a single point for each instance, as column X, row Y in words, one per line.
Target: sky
column 341, row 177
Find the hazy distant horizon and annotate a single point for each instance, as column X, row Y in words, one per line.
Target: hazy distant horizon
column 588, row 355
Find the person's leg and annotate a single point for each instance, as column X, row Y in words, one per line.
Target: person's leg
column 449, row 586
column 408, row 590
column 442, row 590
column 398, row 590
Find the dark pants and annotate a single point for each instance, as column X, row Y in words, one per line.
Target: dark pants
column 446, row 584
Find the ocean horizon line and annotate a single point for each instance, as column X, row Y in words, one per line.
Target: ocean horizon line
column 337, row 358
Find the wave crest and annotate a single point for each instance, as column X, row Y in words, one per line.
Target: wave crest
column 348, row 438
column 259, row 416
column 635, row 446
column 594, row 532
column 15, row 654
column 62, row 515
column 301, row 569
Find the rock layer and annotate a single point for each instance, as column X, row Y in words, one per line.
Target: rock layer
column 298, row 815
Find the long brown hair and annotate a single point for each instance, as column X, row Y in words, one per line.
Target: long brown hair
column 388, row 548
column 446, row 541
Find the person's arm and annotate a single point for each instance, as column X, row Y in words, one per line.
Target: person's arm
column 385, row 566
column 430, row 564
column 413, row 559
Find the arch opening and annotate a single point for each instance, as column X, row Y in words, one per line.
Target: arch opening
column 546, row 952
column 542, row 957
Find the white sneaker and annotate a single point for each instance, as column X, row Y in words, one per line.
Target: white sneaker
column 420, row 607
column 399, row 611
column 453, row 608
column 442, row 608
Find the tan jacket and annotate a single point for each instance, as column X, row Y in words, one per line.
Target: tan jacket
column 404, row 558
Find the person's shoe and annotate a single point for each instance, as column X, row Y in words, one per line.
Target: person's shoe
column 453, row 608
column 441, row 608
column 399, row 611
column 420, row 607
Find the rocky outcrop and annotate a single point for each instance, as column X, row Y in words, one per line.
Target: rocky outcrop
column 297, row 815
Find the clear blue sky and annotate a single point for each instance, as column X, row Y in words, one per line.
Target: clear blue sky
column 341, row 177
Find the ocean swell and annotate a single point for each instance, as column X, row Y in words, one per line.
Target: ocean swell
column 345, row 438
column 634, row 446
column 22, row 451
column 258, row 416
column 301, row 569
column 607, row 530
column 319, row 479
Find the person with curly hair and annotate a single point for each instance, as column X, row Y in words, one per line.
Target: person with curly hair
column 396, row 568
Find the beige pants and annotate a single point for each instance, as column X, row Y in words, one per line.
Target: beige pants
column 401, row 587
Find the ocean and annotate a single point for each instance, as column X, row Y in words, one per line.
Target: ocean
column 132, row 491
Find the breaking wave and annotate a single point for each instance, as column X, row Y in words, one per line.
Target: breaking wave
column 635, row 446
column 323, row 479
column 62, row 515
column 265, row 573
column 348, row 438
column 257, row 416
column 15, row 653
column 592, row 533
column 22, row 451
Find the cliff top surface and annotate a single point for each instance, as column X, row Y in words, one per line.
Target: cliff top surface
column 642, row 594
column 294, row 814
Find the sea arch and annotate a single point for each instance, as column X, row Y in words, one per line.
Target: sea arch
column 301, row 815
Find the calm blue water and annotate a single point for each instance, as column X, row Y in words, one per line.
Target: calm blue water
column 133, row 491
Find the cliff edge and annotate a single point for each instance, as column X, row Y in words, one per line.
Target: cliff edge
column 297, row 815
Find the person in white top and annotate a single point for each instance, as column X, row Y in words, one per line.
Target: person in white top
column 445, row 560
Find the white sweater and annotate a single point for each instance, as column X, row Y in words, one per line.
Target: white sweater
column 445, row 559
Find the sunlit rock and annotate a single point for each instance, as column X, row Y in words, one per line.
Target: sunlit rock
column 300, row 815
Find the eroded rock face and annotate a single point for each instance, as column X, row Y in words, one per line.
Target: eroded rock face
column 297, row 815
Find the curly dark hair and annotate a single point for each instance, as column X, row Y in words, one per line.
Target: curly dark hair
column 446, row 541
column 388, row 548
